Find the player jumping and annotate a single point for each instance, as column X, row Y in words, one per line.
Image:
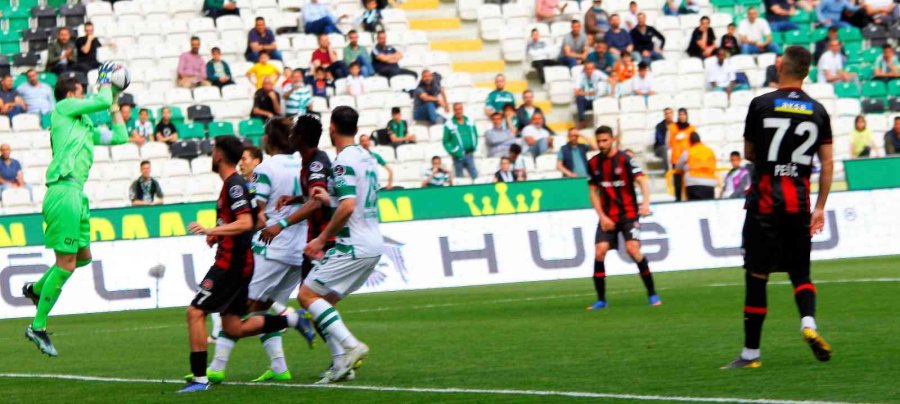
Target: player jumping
column 783, row 130
column 611, row 184
column 66, row 210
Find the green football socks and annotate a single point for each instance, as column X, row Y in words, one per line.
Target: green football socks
column 50, row 289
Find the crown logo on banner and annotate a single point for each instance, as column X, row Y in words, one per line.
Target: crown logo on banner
column 503, row 204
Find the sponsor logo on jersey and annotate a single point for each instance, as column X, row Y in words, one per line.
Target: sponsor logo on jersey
column 316, row 166
column 794, row 106
column 339, row 170
column 207, row 284
column 236, row 191
column 255, row 177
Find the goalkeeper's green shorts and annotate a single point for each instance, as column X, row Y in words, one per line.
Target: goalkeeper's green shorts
column 67, row 217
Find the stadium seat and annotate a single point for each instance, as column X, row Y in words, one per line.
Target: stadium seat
column 154, row 150
column 191, row 130
column 200, row 113
column 176, row 168
column 847, row 90
column 251, row 128
column 72, row 14
column 873, row 105
column 125, row 152
column 186, row 149
column 221, row 129
column 16, row 197
column 25, row 122
column 874, row 89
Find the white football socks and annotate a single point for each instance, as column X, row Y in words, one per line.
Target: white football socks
column 331, row 325
column 276, row 353
column 807, row 322
column 749, row 354
column 216, row 324
column 224, row 345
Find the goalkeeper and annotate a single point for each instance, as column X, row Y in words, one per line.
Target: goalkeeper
column 66, row 212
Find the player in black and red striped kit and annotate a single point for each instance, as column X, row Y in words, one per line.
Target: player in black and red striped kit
column 612, row 175
column 783, row 131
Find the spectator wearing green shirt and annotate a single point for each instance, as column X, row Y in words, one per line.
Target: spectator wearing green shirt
column 887, row 67
column 460, row 141
column 217, row 8
column 366, row 143
column 499, row 97
column 217, row 70
column 398, row 129
column 354, row 52
column 297, row 95
column 436, row 175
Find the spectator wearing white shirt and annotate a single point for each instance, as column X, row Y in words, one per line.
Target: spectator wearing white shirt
column 831, row 65
column 536, row 137
column 38, row 96
column 755, row 35
column 629, row 18
column 589, row 85
column 355, row 80
column 642, row 84
column 540, row 53
column 721, row 75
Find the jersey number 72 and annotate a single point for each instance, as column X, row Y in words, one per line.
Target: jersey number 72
column 781, row 126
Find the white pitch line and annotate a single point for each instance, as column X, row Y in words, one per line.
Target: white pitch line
column 863, row 280
column 431, row 390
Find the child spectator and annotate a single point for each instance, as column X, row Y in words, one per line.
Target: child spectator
column 355, row 80
column 321, row 84
column 505, row 173
column 370, row 19
column 143, row 128
column 263, row 69
column 398, row 129
column 165, row 129
column 730, row 42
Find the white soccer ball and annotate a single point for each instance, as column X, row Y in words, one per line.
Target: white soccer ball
column 120, row 76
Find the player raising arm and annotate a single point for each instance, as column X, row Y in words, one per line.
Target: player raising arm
column 783, row 130
column 612, row 175
column 65, row 209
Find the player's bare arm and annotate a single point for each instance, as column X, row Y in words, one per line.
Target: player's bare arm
column 311, row 206
column 338, row 221
column 748, row 151
column 826, row 157
column 606, row 224
column 644, row 183
column 243, row 224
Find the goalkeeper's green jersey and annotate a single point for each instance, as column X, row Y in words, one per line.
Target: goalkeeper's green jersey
column 73, row 136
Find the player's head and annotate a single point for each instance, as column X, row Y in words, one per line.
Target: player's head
column 226, row 153
column 145, row 169
column 68, row 88
column 343, row 122
column 695, row 138
column 794, row 64
column 278, row 136
column 365, row 141
column 305, row 133
column 604, row 136
column 735, row 158
column 250, row 158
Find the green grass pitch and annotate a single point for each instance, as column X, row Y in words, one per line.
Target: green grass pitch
column 526, row 336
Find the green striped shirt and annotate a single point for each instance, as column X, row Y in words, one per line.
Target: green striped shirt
column 298, row 100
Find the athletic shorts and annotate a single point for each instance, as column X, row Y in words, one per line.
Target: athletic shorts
column 308, row 262
column 68, row 217
column 273, row 280
column 222, row 291
column 630, row 230
column 340, row 273
column 777, row 243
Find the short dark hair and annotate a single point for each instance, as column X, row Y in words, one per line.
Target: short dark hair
column 504, row 158
column 65, row 86
column 231, row 147
column 527, row 90
column 352, row 31
column 255, row 152
column 515, row 148
column 395, row 110
column 795, row 62
column 144, row 110
column 613, row 15
column 667, row 109
column 215, row 49
column 735, row 154
column 496, row 114
column 260, row 19
column 345, row 119
column 4, row 77
column 320, row 69
column 886, row 46
column 306, row 132
column 704, row 18
column 833, row 28
column 433, row 158
column 680, row 110
column 642, row 66
column 195, row 38
column 533, row 30
column 352, row 65
column 278, row 134
column 695, row 138
column 30, row 70
column 574, row 21
column 145, row 163
column 603, row 129
column 263, row 52
column 88, row 23
column 380, row 32
column 731, row 25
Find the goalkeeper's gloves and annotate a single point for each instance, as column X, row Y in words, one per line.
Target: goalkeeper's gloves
column 104, row 73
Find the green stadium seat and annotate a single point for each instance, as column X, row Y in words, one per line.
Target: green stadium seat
column 893, row 88
column 854, row 57
column 819, row 34
column 251, row 128
column 874, row 89
column 45, row 121
column 28, row 4
column 221, row 129
column 723, row 3
column 48, row 77
column 778, row 37
column 797, row 37
column 750, row 3
column 190, row 130
column 853, row 47
column 803, row 17
column 864, row 71
column 846, row 90
column 870, row 55
column 850, row 34
column 57, row 3
column 814, row 74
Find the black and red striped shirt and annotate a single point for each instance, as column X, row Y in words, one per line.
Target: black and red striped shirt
column 785, row 128
column 234, row 252
column 615, row 176
column 316, row 172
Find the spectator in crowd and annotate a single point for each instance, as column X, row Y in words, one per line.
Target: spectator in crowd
column 623, row 71
column 883, row 12
column 437, row 175
column 326, row 57
column 265, row 101
column 526, row 110
column 518, row 162
column 822, row 44
column 355, row 81
column 831, row 66
column 510, row 118
column 703, row 40
column 191, row 67
column 829, row 12
column 737, row 181
column 145, row 190
column 574, row 46
column 772, row 78
column 217, row 8
column 165, row 129
column 505, row 173
column 370, row 18
column 602, row 59
column 729, row 41
column 499, row 97
column 38, row 96
column 13, row 104
column 540, row 54
column 571, row 160
column 262, row 69
column 596, row 20
column 642, row 36
column 297, row 95
column 630, row 17
column 679, row 142
column 356, row 53
column 886, row 67
column 698, row 163
column 536, row 136
column 366, row 143
column 251, row 157
column 86, row 50
column 126, row 111
column 427, row 98
column 143, row 129
column 861, row 140
column 779, row 13
column 755, row 35
column 217, row 70
column 680, row 7
column 660, row 139
column 548, row 10
column 460, row 141
column 61, row 53
column 892, row 139
column 642, row 84
column 398, row 129
column 321, row 83
column 262, row 39
column 11, row 175
column 386, row 58
column 721, row 75
column 618, row 39
column 320, row 19
column 499, row 137
column 589, row 85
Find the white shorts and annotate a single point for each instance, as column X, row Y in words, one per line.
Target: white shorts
column 273, row 280
column 340, row 274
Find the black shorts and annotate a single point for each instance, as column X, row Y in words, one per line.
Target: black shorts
column 307, row 266
column 777, row 243
column 222, row 292
column 630, row 230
